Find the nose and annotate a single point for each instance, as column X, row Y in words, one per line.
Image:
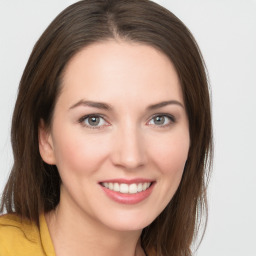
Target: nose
column 128, row 149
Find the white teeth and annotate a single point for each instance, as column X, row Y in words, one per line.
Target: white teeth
column 127, row 189
column 133, row 189
column 105, row 184
column 116, row 187
column 124, row 188
column 110, row 186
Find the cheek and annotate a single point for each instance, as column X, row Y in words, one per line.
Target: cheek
column 79, row 154
column 171, row 154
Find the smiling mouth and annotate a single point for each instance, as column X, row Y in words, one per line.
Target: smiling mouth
column 124, row 188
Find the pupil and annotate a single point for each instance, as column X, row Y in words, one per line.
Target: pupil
column 159, row 120
column 94, row 121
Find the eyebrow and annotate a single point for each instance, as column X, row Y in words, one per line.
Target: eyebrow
column 93, row 104
column 165, row 103
column 104, row 106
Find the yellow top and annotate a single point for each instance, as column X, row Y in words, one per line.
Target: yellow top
column 23, row 238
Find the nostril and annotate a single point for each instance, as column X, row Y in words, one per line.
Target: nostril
column 128, row 147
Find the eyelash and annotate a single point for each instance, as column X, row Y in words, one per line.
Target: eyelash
column 82, row 120
column 171, row 118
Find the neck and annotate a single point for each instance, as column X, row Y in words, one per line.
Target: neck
column 75, row 233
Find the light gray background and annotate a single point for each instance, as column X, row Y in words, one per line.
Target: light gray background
column 226, row 33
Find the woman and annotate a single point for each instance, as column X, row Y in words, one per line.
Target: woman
column 111, row 136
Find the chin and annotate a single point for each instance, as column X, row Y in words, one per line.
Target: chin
column 128, row 222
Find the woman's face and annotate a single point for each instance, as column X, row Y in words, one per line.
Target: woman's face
column 119, row 135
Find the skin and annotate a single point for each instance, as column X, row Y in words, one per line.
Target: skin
column 128, row 143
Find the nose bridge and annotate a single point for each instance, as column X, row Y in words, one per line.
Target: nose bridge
column 128, row 150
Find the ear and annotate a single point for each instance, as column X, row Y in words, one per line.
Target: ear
column 45, row 142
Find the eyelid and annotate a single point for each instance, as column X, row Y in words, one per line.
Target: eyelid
column 83, row 118
column 171, row 118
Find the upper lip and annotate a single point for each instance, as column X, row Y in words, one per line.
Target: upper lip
column 127, row 181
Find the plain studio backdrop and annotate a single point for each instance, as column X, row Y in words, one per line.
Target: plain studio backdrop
column 226, row 33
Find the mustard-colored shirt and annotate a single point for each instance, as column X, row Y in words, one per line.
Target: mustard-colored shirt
column 23, row 238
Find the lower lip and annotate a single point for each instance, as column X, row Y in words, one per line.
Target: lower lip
column 128, row 198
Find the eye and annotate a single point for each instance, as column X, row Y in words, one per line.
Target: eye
column 161, row 120
column 93, row 121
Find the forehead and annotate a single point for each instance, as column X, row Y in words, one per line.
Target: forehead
column 117, row 69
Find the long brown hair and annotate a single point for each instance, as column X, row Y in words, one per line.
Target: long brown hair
column 34, row 186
